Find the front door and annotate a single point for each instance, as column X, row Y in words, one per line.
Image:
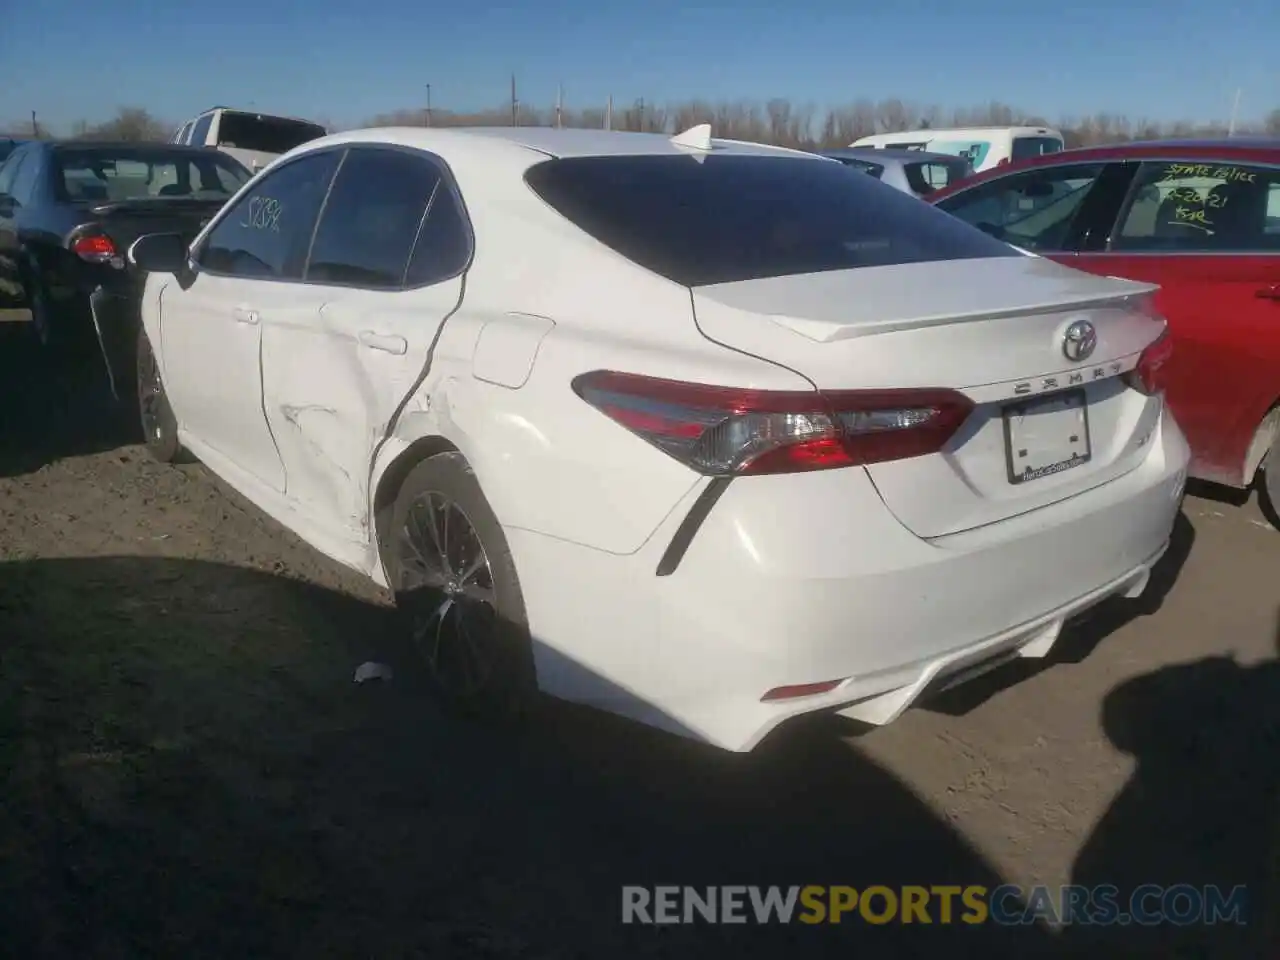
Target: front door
column 246, row 270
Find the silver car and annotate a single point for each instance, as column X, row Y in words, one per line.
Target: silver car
column 911, row 171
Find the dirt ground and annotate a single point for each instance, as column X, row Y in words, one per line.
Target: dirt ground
column 189, row 770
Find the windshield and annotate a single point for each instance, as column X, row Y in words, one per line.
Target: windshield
column 277, row 135
column 718, row 219
column 866, row 166
column 110, row 174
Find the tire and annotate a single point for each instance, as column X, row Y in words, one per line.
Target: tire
column 155, row 415
column 1269, row 486
column 64, row 329
column 472, row 636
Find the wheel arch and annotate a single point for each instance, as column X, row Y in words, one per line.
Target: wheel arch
column 1264, row 438
column 392, row 478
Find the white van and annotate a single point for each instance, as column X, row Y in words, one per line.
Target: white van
column 986, row 147
column 255, row 139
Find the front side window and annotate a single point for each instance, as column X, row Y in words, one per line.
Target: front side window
column 1035, row 210
column 266, row 234
column 719, row 219
column 181, row 135
column 372, row 218
column 1189, row 207
column 101, row 174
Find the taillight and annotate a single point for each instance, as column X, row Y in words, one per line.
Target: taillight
column 722, row 431
column 1148, row 376
column 94, row 248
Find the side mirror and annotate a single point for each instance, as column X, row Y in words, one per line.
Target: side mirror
column 159, row 253
column 7, row 205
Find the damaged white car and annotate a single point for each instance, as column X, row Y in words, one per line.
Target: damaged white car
column 705, row 433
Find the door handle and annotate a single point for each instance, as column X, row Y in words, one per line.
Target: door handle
column 1270, row 293
column 245, row 315
column 386, row 342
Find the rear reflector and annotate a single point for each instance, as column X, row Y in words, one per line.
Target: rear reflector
column 95, row 248
column 800, row 690
column 726, row 431
column 1148, row 376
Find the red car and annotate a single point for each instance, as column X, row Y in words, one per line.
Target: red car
column 1201, row 219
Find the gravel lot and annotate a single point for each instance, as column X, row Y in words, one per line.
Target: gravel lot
column 190, row 771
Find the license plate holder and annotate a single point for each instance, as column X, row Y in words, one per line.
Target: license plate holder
column 1046, row 435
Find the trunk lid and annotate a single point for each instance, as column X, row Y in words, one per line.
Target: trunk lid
column 126, row 220
column 993, row 329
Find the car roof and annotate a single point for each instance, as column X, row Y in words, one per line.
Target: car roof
column 1236, row 149
column 890, row 153
column 548, row 141
column 128, row 145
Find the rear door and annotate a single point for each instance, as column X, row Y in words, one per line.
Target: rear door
column 385, row 271
column 1209, row 235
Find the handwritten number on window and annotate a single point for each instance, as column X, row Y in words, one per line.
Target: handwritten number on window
column 263, row 214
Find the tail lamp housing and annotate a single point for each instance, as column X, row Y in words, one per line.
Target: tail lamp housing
column 729, row 431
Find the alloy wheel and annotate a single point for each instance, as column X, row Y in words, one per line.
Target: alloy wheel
column 454, row 616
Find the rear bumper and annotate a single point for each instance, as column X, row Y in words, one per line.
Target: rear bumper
column 809, row 578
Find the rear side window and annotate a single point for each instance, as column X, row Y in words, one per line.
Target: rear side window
column 248, row 131
column 721, row 219
column 200, row 133
column 1202, row 207
column 933, row 175
column 1024, row 147
column 372, row 218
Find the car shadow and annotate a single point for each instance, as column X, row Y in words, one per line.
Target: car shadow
column 1201, row 809
column 1079, row 638
column 54, row 408
column 190, row 771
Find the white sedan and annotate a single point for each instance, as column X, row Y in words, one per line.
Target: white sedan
column 706, row 433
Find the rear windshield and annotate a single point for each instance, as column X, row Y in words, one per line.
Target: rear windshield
column 931, row 175
column 134, row 173
column 1024, row 147
column 717, row 219
column 249, row 131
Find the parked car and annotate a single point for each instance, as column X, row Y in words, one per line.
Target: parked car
column 911, row 171
column 986, row 147
column 255, row 139
column 68, row 212
column 608, row 431
column 1202, row 220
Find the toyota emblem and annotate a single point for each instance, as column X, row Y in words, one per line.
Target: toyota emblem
column 1079, row 341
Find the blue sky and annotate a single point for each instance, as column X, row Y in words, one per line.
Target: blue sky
column 345, row 61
